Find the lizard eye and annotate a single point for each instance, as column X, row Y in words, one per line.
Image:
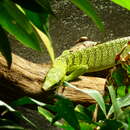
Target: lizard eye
column 82, row 39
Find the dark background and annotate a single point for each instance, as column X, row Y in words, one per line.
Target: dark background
column 71, row 23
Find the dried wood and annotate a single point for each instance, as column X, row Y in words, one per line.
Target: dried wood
column 26, row 78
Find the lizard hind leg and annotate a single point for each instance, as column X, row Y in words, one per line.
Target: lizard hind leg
column 80, row 70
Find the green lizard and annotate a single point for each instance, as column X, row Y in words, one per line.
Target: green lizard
column 73, row 63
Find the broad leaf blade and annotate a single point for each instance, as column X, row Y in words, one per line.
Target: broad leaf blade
column 15, row 22
column 5, row 47
column 81, row 114
column 26, row 100
column 122, row 102
column 117, row 110
column 47, row 42
column 40, row 20
column 123, row 3
column 98, row 97
column 93, row 93
column 49, row 116
column 87, row 126
column 128, row 123
column 111, row 125
column 121, row 91
column 11, row 127
column 16, row 113
column 7, row 106
column 65, row 110
column 86, row 6
column 20, row 115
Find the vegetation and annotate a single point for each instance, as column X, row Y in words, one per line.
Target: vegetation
column 29, row 25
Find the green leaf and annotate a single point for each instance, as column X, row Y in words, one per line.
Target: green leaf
column 128, row 123
column 86, row 126
column 123, row 3
column 128, row 70
column 65, row 109
column 40, row 20
column 98, row 97
column 7, row 106
column 126, row 114
column 81, row 114
column 48, row 115
column 122, row 102
column 5, row 47
column 26, row 100
column 117, row 111
column 118, row 75
column 67, row 127
column 16, row 113
column 121, row 91
column 16, row 23
column 128, row 88
column 47, row 42
column 93, row 93
column 86, row 6
column 111, row 125
column 11, row 127
column 21, row 116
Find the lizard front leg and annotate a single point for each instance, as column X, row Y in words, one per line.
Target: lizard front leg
column 80, row 70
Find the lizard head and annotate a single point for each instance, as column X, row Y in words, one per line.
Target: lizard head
column 54, row 76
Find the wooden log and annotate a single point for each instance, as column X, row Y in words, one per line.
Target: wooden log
column 84, row 83
column 26, row 78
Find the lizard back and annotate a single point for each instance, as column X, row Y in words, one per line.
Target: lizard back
column 98, row 57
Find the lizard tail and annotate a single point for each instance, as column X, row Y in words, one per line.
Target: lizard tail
column 54, row 76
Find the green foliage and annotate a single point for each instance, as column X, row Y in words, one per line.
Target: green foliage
column 48, row 115
column 7, row 106
column 110, row 124
column 40, row 20
column 77, row 117
column 122, row 102
column 26, row 100
column 29, row 25
column 117, row 111
column 74, row 116
column 18, row 20
column 11, row 127
column 83, row 114
column 67, row 112
column 123, row 3
column 93, row 93
column 17, row 17
column 47, row 42
column 118, row 75
column 15, row 22
column 9, row 123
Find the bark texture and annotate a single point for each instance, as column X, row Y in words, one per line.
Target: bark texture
column 26, row 78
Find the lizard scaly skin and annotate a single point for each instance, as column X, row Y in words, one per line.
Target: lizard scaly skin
column 91, row 59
